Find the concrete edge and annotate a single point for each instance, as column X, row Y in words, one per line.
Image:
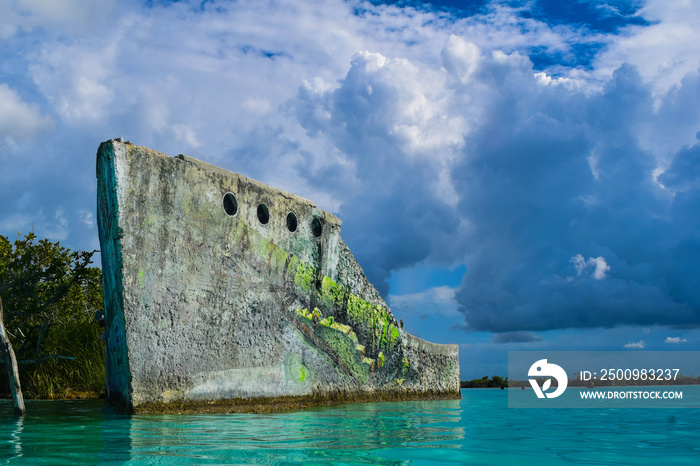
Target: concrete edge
column 284, row 403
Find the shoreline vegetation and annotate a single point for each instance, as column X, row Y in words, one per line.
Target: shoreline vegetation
column 494, row 382
column 52, row 319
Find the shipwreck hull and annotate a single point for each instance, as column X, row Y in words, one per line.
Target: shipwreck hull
column 225, row 294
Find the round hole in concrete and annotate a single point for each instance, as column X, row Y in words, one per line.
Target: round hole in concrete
column 263, row 214
column 230, row 204
column 316, row 227
column 291, row 222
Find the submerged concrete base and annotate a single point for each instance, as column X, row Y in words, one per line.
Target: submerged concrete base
column 276, row 404
column 225, row 294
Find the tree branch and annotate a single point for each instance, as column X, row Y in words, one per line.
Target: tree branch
column 45, row 358
column 11, row 367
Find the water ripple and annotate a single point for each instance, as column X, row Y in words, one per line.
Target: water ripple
column 477, row 430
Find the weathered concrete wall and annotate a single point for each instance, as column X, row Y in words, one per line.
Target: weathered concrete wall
column 222, row 293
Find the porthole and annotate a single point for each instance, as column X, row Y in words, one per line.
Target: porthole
column 263, row 214
column 230, row 204
column 291, row 222
column 316, row 227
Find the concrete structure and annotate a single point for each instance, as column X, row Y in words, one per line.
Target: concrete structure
column 225, row 294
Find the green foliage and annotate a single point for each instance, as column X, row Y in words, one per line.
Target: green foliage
column 495, row 382
column 50, row 296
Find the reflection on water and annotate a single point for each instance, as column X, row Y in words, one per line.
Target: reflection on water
column 346, row 433
column 479, row 429
column 16, row 426
column 90, row 431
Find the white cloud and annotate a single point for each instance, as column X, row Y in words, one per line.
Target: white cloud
column 76, row 79
column 436, row 300
column 635, row 345
column 408, row 102
column 600, row 267
column 87, row 217
column 72, row 15
column 664, row 51
column 460, row 58
column 675, row 340
column 18, row 119
column 186, row 135
column 568, row 83
column 14, row 223
column 596, row 267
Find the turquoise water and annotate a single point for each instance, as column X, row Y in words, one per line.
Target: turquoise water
column 477, row 430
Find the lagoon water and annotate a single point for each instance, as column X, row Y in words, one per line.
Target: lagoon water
column 479, row 429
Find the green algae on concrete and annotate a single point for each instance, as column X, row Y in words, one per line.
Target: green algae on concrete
column 215, row 300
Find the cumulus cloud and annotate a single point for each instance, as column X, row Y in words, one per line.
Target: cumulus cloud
column 460, row 58
column 664, row 50
column 675, row 340
column 635, row 345
column 394, row 124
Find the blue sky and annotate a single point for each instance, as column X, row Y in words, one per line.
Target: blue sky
column 510, row 174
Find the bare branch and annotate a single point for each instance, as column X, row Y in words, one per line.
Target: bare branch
column 10, row 363
column 45, row 358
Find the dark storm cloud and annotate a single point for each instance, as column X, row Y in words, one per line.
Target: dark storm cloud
column 559, row 218
column 571, row 227
column 515, row 337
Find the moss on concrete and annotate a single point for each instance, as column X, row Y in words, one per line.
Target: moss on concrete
column 305, row 277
